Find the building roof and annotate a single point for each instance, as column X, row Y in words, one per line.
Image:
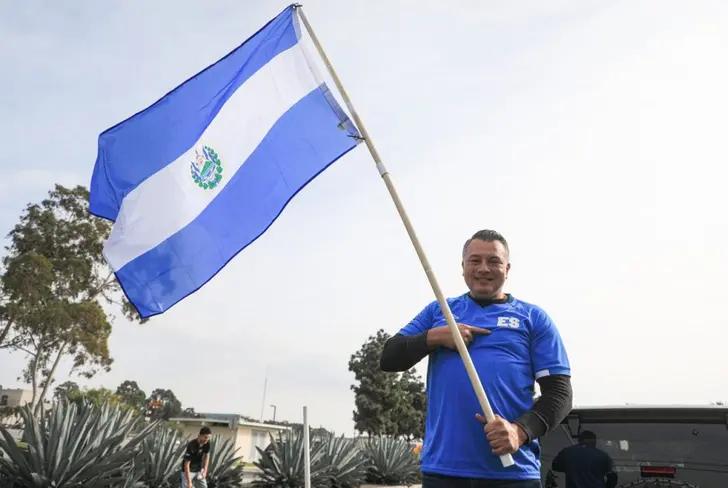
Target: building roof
column 628, row 406
column 227, row 419
column 652, row 413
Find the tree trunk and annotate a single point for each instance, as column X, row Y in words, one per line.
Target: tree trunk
column 49, row 378
column 33, row 376
column 5, row 332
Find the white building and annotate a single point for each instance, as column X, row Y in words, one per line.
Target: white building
column 246, row 435
column 15, row 397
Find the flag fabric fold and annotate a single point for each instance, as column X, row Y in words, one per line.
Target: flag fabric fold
column 203, row 172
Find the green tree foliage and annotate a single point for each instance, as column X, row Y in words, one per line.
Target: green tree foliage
column 71, row 393
column 163, row 404
column 189, row 412
column 130, row 393
column 386, row 403
column 409, row 417
column 66, row 391
column 97, row 397
column 52, row 289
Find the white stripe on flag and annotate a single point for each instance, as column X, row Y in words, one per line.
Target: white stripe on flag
column 169, row 200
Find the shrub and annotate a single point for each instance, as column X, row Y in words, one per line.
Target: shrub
column 336, row 462
column 225, row 469
column 390, row 462
column 345, row 462
column 282, row 463
column 161, row 458
column 70, row 446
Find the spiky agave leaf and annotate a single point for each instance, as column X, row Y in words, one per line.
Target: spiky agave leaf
column 226, row 468
column 282, row 463
column 391, row 462
column 93, row 447
column 161, row 458
column 345, row 463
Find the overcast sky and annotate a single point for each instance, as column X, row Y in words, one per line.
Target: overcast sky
column 591, row 133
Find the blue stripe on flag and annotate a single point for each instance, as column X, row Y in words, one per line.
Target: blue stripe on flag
column 301, row 144
column 138, row 147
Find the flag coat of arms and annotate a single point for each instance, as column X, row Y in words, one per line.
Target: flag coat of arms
column 196, row 177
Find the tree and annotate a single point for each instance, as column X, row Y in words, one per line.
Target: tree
column 409, row 417
column 54, row 283
column 163, row 405
column 374, row 394
column 386, row 403
column 66, row 390
column 189, row 412
column 130, row 393
column 97, row 397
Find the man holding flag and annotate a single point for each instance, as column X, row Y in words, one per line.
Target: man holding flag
column 513, row 344
column 199, row 175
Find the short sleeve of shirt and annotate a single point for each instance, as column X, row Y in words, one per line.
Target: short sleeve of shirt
column 548, row 354
column 422, row 322
column 206, row 448
column 188, row 452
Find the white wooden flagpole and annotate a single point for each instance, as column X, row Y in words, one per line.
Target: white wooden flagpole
column 506, row 459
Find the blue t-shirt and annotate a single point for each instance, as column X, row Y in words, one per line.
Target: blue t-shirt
column 523, row 345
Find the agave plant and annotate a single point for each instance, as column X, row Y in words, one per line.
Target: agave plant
column 225, row 469
column 161, row 458
column 282, row 463
column 93, row 447
column 345, row 463
column 391, row 462
column 133, row 478
column 4, row 480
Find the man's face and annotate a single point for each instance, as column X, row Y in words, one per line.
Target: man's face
column 485, row 269
column 203, row 439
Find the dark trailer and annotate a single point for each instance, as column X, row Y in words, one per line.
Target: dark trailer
column 651, row 446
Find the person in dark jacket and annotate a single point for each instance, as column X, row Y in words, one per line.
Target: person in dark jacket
column 585, row 465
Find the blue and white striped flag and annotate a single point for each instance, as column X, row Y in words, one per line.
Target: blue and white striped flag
column 200, row 174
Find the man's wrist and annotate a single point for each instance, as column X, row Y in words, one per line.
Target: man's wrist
column 522, row 434
column 432, row 338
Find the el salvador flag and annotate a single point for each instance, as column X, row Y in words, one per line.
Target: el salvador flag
column 196, row 177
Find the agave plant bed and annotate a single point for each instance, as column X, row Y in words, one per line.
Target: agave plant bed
column 370, row 485
column 70, row 446
column 390, row 462
column 90, row 446
column 226, row 467
column 336, row 462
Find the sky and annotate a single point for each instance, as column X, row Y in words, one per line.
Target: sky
column 590, row 133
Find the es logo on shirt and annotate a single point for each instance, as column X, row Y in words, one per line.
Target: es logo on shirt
column 510, row 322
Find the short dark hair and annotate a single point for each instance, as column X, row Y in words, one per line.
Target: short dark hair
column 587, row 436
column 205, row 431
column 487, row 235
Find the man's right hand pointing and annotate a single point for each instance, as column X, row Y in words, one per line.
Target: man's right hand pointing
column 441, row 336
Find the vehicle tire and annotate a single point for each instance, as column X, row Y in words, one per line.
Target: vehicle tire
column 659, row 483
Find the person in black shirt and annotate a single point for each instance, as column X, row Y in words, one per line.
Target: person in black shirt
column 196, row 461
column 585, row 466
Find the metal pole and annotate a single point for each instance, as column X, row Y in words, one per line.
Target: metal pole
column 274, row 412
column 306, row 451
column 506, row 459
column 265, row 389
